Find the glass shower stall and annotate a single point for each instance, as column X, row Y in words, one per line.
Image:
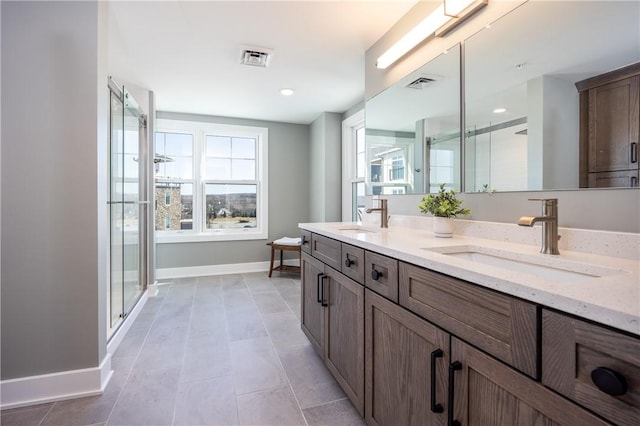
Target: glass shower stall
column 128, row 205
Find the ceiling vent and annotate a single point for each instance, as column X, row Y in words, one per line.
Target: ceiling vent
column 256, row 56
column 420, row 83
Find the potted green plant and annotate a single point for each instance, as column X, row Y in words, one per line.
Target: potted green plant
column 444, row 206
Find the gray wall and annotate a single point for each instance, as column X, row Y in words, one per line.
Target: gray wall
column 288, row 198
column 325, row 166
column 54, row 229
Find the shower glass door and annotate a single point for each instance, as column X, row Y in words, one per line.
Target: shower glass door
column 126, row 222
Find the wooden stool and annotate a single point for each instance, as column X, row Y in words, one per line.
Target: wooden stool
column 283, row 248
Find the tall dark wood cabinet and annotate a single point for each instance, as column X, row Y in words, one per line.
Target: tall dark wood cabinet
column 610, row 128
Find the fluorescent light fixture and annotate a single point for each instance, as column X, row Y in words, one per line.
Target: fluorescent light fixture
column 499, row 110
column 454, row 8
column 438, row 22
column 286, row 92
column 410, row 40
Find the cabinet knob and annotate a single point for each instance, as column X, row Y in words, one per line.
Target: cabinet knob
column 609, row 381
column 348, row 262
column 304, row 240
column 376, row 275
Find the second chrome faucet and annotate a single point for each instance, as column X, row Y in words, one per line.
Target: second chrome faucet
column 549, row 221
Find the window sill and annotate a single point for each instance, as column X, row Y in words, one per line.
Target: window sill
column 211, row 236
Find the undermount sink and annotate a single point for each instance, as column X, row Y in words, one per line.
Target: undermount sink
column 543, row 266
column 357, row 229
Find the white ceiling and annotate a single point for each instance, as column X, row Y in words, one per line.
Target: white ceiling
column 188, row 53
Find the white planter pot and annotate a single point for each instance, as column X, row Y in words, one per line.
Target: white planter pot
column 443, row 227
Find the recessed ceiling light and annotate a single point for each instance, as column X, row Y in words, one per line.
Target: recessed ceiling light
column 499, row 110
column 286, row 92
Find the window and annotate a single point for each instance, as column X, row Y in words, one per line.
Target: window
column 213, row 178
column 354, row 167
column 397, row 168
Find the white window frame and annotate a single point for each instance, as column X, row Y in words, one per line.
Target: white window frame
column 349, row 128
column 198, row 232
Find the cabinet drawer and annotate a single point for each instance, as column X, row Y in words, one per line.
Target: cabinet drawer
column 501, row 325
column 572, row 349
column 326, row 250
column 352, row 262
column 381, row 275
column 305, row 237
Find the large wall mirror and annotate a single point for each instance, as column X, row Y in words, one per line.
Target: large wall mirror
column 413, row 131
column 523, row 125
column 527, row 87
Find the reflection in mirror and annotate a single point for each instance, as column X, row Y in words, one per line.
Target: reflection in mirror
column 523, row 111
column 413, row 131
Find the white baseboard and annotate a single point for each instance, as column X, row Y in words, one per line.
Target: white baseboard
column 53, row 387
column 26, row 391
column 205, row 270
column 152, row 289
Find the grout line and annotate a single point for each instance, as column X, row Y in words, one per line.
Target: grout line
column 295, row 397
column 226, row 326
column 184, row 351
column 46, row 414
column 137, row 355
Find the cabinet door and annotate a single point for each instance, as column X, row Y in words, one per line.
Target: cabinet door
column 487, row 392
column 620, row 179
column 344, row 344
column 614, row 126
column 399, row 383
column 311, row 304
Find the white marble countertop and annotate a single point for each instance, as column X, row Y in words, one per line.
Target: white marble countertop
column 612, row 297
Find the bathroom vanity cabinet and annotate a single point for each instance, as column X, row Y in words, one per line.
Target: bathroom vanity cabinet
column 423, row 347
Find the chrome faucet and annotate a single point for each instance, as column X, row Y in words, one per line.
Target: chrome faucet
column 549, row 221
column 384, row 218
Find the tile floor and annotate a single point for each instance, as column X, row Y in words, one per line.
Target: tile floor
column 221, row 350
